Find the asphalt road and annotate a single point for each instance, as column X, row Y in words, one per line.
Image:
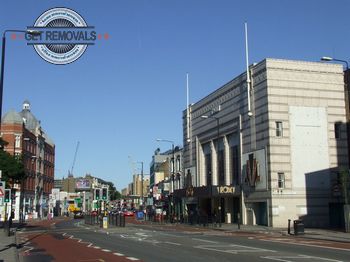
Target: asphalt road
column 156, row 243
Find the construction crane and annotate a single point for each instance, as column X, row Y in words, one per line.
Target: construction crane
column 70, row 172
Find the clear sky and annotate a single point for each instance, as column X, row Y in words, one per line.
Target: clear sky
column 125, row 92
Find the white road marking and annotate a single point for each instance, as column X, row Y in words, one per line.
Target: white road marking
column 173, row 243
column 132, row 258
column 96, row 247
column 232, row 249
column 297, row 258
column 203, row 240
column 118, row 254
column 106, row 250
column 309, row 245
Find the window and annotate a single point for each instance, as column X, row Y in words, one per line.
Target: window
column 18, row 141
column 280, row 180
column 208, row 169
column 235, row 165
column 279, row 129
column 221, row 167
column 337, row 130
column 178, row 167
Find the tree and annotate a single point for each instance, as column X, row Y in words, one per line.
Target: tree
column 12, row 167
column 114, row 194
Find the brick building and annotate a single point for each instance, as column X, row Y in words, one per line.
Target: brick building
column 25, row 137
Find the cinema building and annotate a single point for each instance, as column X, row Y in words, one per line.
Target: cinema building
column 272, row 154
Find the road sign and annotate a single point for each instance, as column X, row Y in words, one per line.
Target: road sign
column 2, row 186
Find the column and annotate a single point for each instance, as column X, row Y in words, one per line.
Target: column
column 214, row 163
column 228, row 159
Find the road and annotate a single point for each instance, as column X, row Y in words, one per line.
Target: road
column 72, row 240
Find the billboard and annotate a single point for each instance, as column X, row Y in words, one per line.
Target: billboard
column 82, row 184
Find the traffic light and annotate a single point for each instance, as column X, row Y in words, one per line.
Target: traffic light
column 104, row 193
column 7, row 195
column 97, row 194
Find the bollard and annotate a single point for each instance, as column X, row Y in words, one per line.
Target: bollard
column 239, row 220
column 289, row 226
column 123, row 221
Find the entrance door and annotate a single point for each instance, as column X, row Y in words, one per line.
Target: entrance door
column 222, row 214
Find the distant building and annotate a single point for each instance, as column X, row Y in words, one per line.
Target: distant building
column 25, row 137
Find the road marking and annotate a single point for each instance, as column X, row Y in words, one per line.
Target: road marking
column 106, row 250
column 96, row 247
column 308, row 245
column 233, row 249
column 118, row 254
column 207, row 241
column 297, row 258
column 173, row 243
column 132, row 258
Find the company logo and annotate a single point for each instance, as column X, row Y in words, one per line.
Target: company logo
column 64, row 36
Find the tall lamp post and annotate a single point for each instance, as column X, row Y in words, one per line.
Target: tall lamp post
column 31, row 32
column 141, row 198
column 346, row 173
column 329, row 59
column 2, row 68
column 173, row 173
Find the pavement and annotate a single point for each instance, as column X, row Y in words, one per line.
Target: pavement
column 8, row 244
column 9, row 249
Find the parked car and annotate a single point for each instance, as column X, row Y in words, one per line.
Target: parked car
column 128, row 213
column 78, row 214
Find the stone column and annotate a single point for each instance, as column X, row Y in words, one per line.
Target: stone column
column 214, row 165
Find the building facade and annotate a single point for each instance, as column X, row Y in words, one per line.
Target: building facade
column 271, row 154
column 25, row 137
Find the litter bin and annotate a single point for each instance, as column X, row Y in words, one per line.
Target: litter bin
column 298, row 227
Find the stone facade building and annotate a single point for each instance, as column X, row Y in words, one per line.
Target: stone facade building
column 273, row 154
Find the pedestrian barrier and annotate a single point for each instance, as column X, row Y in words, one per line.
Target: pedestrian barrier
column 117, row 220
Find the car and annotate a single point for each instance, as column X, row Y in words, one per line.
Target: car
column 78, row 214
column 128, row 213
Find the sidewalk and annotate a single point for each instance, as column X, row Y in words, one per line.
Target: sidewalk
column 8, row 246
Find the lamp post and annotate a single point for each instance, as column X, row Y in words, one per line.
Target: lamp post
column 347, row 102
column 141, row 198
column 173, row 173
column 329, row 59
column 31, row 32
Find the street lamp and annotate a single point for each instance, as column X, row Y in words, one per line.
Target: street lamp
column 31, row 32
column 141, row 199
column 173, row 172
column 327, row 58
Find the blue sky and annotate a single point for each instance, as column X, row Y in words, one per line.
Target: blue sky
column 125, row 92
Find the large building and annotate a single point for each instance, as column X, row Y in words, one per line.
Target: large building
column 25, row 137
column 271, row 154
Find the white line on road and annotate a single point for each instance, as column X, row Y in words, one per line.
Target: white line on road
column 96, row 247
column 294, row 258
column 173, row 243
column 203, row 240
column 106, row 250
column 308, row 245
column 132, row 258
column 118, row 254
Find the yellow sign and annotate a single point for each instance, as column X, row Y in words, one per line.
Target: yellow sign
column 226, row 190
